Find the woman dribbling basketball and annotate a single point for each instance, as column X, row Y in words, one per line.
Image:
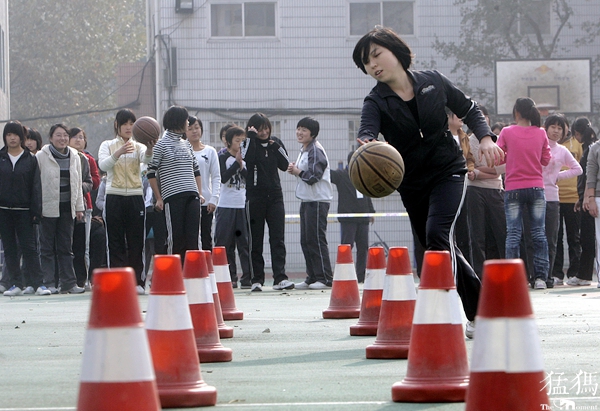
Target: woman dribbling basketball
column 408, row 108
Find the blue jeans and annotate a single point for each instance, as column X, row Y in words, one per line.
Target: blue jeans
column 532, row 201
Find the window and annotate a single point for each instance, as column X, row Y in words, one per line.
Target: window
column 397, row 15
column 539, row 13
column 243, row 20
column 508, row 19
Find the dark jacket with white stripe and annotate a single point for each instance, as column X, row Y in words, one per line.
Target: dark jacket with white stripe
column 263, row 158
column 428, row 149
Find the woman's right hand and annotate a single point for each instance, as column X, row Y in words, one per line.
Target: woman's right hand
column 126, row 148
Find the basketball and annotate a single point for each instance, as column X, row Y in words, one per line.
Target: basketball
column 376, row 169
column 146, row 129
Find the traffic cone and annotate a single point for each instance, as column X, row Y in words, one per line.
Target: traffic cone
column 172, row 342
column 221, row 267
column 345, row 299
column 437, row 369
column 397, row 308
column 200, row 298
column 225, row 331
column 506, row 351
column 116, row 372
column 372, row 292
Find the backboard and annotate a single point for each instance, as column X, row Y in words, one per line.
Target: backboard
column 562, row 85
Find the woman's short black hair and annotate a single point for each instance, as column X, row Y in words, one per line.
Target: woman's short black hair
column 56, row 126
column 35, row 135
column 175, row 118
column 193, row 120
column 384, row 37
column 123, row 116
column 224, row 129
column 259, row 121
column 232, row 132
column 76, row 130
column 581, row 124
column 311, row 124
column 15, row 127
column 556, row 120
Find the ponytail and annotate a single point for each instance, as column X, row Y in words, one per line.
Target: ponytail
column 527, row 109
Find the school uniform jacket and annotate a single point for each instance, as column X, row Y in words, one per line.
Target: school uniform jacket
column 21, row 187
column 427, row 147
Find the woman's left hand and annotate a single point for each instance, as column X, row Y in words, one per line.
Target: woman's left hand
column 79, row 215
column 493, row 154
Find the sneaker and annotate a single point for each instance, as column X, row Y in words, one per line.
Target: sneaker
column 13, row 291
column 470, row 329
column 234, row 284
column 53, row 290
column 28, row 290
column 539, row 284
column 88, row 286
column 42, row 290
column 558, row 281
column 256, row 287
column 575, row 281
column 2, row 288
column 284, row 285
column 140, row 290
column 75, row 290
column 245, row 286
column 301, row 286
column 318, row 286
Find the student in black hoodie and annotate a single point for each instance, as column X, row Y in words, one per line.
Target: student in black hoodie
column 20, row 209
column 264, row 155
column 353, row 229
column 408, row 108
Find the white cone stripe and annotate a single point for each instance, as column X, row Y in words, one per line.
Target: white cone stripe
column 213, row 283
column 437, row 307
column 116, row 354
column 374, row 278
column 344, row 272
column 222, row 274
column 198, row 290
column 399, row 288
column 168, row 313
column 507, row 345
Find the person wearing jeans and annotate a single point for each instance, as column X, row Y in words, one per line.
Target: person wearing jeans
column 527, row 151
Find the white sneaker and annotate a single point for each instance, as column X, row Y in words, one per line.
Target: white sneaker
column 301, row 286
column 575, row 281
column 558, row 281
column 42, row 290
column 284, row 285
column 470, row 329
column 53, row 290
column 318, row 286
column 256, row 287
column 88, row 286
column 539, row 284
column 13, row 291
column 28, row 290
column 140, row 290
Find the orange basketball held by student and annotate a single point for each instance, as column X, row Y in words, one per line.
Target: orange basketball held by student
column 376, row 169
column 146, row 129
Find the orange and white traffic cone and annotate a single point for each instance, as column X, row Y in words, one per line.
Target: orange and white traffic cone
column 221, row 267
column 116, row 372
column 437, row 369
column 200, row 298
column 345, row 298
column 506, row 351
column 397, row 308
column 225, row 331
column 370, row 303
column 172, row 342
